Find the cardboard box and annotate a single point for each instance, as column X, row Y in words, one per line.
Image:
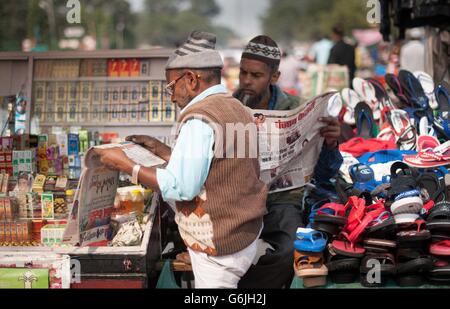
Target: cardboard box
column 72, row 112
column 134, row 94
column 155, row 111
column 144, row 68
column 39, row 92
column 47, row 206
column 124, row 68
column 61, row 91
column 39, row 111
column 38, row 184
column 105, row 112
column 115, row 95
column 115, row 113
column 7, row 143
column 73, row 91
column 99, row 68
column 50, row 112
column 124, row 95
column 52, row 235
column 106, row 95
column 84, row 112
column 2, row 232
column 165, row 95
column 61, row 183
column 50, row 183
column 134, row 65
column 60, row 111
column 50, row 92
column 155, row 90
column 74, row 144
column 143, row 111
column 113, row 68
column 97, row 92
column 144, row 92
column 123, row 117
column 95, row 113
column 86, row 92
column 133, row 114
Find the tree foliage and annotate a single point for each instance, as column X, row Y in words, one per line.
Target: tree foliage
column 289, row 20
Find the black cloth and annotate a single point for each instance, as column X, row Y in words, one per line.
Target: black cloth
column 344, row 54
column 275, row 269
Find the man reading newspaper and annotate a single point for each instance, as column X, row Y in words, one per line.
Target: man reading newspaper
column 220, row 201
column 258, row 90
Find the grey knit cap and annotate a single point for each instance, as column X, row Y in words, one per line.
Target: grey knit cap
column 198, row 52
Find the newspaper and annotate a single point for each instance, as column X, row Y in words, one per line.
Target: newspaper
column 290, row 143
column 94, row 202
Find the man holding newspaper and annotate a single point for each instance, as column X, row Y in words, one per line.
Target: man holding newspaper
column 257, row 89
column 220, row 201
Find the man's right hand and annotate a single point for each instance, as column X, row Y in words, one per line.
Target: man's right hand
column 151, row 144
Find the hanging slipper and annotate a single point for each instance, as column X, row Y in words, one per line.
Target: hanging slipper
column 334, row 105
column 365, row 123
column 442, row 121
column 350, row 99
column 414, row 92
column 404, row 131
column 367, row 92
column 428, row 87
column 394, row 83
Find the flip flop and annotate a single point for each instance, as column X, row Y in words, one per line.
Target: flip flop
column 350, row 99
column 405, row 218
column 367, row 92
column 408, row 205
column 428, row 87
column 441, row 248
column 365, row 123
column 310, row 240
column 404, row 131
column 334, row 105
column 426, row 142
column 394, row 83
column 438, row 156
column 345, row 248
column 414, row 91
column 442, row 121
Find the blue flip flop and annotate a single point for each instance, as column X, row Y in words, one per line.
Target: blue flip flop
column 363, row 177
column 442, row 121
column 309, row 240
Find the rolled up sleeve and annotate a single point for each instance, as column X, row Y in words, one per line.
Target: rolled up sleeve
column 188, row 168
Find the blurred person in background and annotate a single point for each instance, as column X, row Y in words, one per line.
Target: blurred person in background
column 288, row 80
column 412, row 54
column 342, row 53
column 320, row 50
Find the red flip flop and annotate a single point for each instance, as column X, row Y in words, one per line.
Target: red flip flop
column 440, row 248
column 346, row 248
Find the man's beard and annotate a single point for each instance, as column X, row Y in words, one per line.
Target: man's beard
column 251, row 101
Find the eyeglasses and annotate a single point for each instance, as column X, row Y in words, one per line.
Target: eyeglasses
column 170, row 87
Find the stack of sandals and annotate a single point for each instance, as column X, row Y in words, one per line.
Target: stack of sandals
column 396, row 234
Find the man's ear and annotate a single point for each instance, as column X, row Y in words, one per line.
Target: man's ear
column 275, row 77
column 192, row 81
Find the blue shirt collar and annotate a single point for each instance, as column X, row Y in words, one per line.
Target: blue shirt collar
column 210, row 91
column 274, row 97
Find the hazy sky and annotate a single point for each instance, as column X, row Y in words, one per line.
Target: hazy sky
column 242, row 16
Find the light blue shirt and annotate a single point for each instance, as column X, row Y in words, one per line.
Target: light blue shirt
column 321, row 51
column 188, row 167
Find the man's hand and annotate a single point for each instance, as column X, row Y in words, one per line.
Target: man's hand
column 115, row 159
column 331, row 131
column 152, row 144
